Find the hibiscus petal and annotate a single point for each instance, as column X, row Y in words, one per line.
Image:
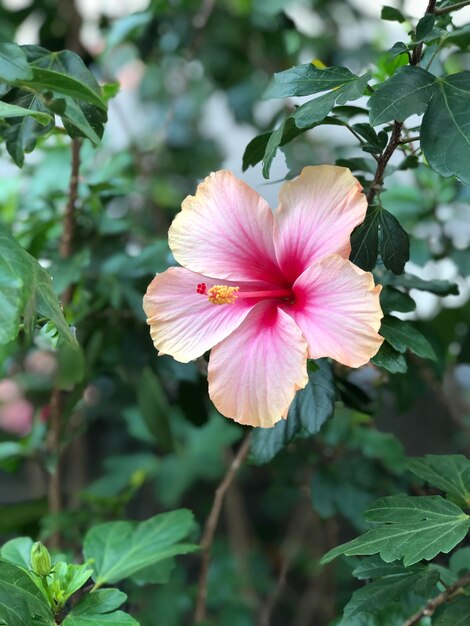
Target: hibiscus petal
column 337, row 308
column 225, row 231
column 255, row 372
column 316, row 215
column 183, row 323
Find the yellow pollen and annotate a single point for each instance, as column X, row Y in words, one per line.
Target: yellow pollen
column 222, row 294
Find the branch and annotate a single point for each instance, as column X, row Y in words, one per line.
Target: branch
column 57, row 400
column 430, row 607
column 451, row 8
column 211, row 526
column 395, row 138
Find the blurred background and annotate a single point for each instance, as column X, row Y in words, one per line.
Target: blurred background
column 141, row 436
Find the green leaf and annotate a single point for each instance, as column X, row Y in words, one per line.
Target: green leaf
column 316, row 110
column 18, row 551
column 455, row 613
column 365, row 240
column 392, row 15
column 25, row 282
column 21, row 133
column 451, row 473
column 67, row 578
column 445, row 131
column 155, row 408
column 12, row 110
column 120, row 549
column 392, row 299
column 390, row 359
column 21, row 601
column 99, row 607
column 13, row 63
column 405, row 93
column 307, row 79
column 311, row 407
column 424, row 27
column 402, row 335
column 62, row 72
column 377, row 594
column 394, row 243
column 408, row 528
column 438, row 287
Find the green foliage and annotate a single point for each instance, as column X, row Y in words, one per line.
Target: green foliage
column 312, row 406
column 118, row 550
column 408, row 528
column 457, row 613
column 20, row 599
column 450, row 473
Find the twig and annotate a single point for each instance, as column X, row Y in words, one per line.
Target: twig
column 409, row 139
column 211, row 526
column 429, row 608
column 451, row 8
column 54, row 491
column 395, row 138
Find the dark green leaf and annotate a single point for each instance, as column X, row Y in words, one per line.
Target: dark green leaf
column 390, row 359
column 459, row 37
column 398, row 48
column 438, row 287
column 365, row 240
column 155, row 408
column 311, row 407
column 374, row 143
column 402, row 335
column 120, row 549
column 392, row 299
column 445, row 131
column 62, row 72
column 408, row 528
column 451, row 473
column 405, row 93
column 391, row 14
column 456, row 613
column 21, row 601
column 374, row 596
column 116, row 618
column 13, row 63
column 307, row 79
column 424, row 27
column 394, row 243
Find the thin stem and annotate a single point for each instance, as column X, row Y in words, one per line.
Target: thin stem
column 211, row 526
column 452, row 7
column 57, row 400
column 409, row 139
column 429, row 608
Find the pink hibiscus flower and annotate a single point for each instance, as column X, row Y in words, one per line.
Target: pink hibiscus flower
column 266, row 291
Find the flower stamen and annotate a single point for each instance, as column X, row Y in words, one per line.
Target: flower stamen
column 222, row 294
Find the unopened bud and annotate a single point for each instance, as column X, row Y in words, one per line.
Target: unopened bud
column 41, row 563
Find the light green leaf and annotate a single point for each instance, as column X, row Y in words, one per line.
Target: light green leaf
column 120, row 549
column 18, row 551
column 402, row 335
column 99, row 602
column 21, row 601
column 117, row 618
column 12, row 110
column 451, row 473
column 67, row 578
column 405, row 93
column 13, row 63
column 31, row 284
column 311, row 407
column 306, row 79
column 408, row 528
